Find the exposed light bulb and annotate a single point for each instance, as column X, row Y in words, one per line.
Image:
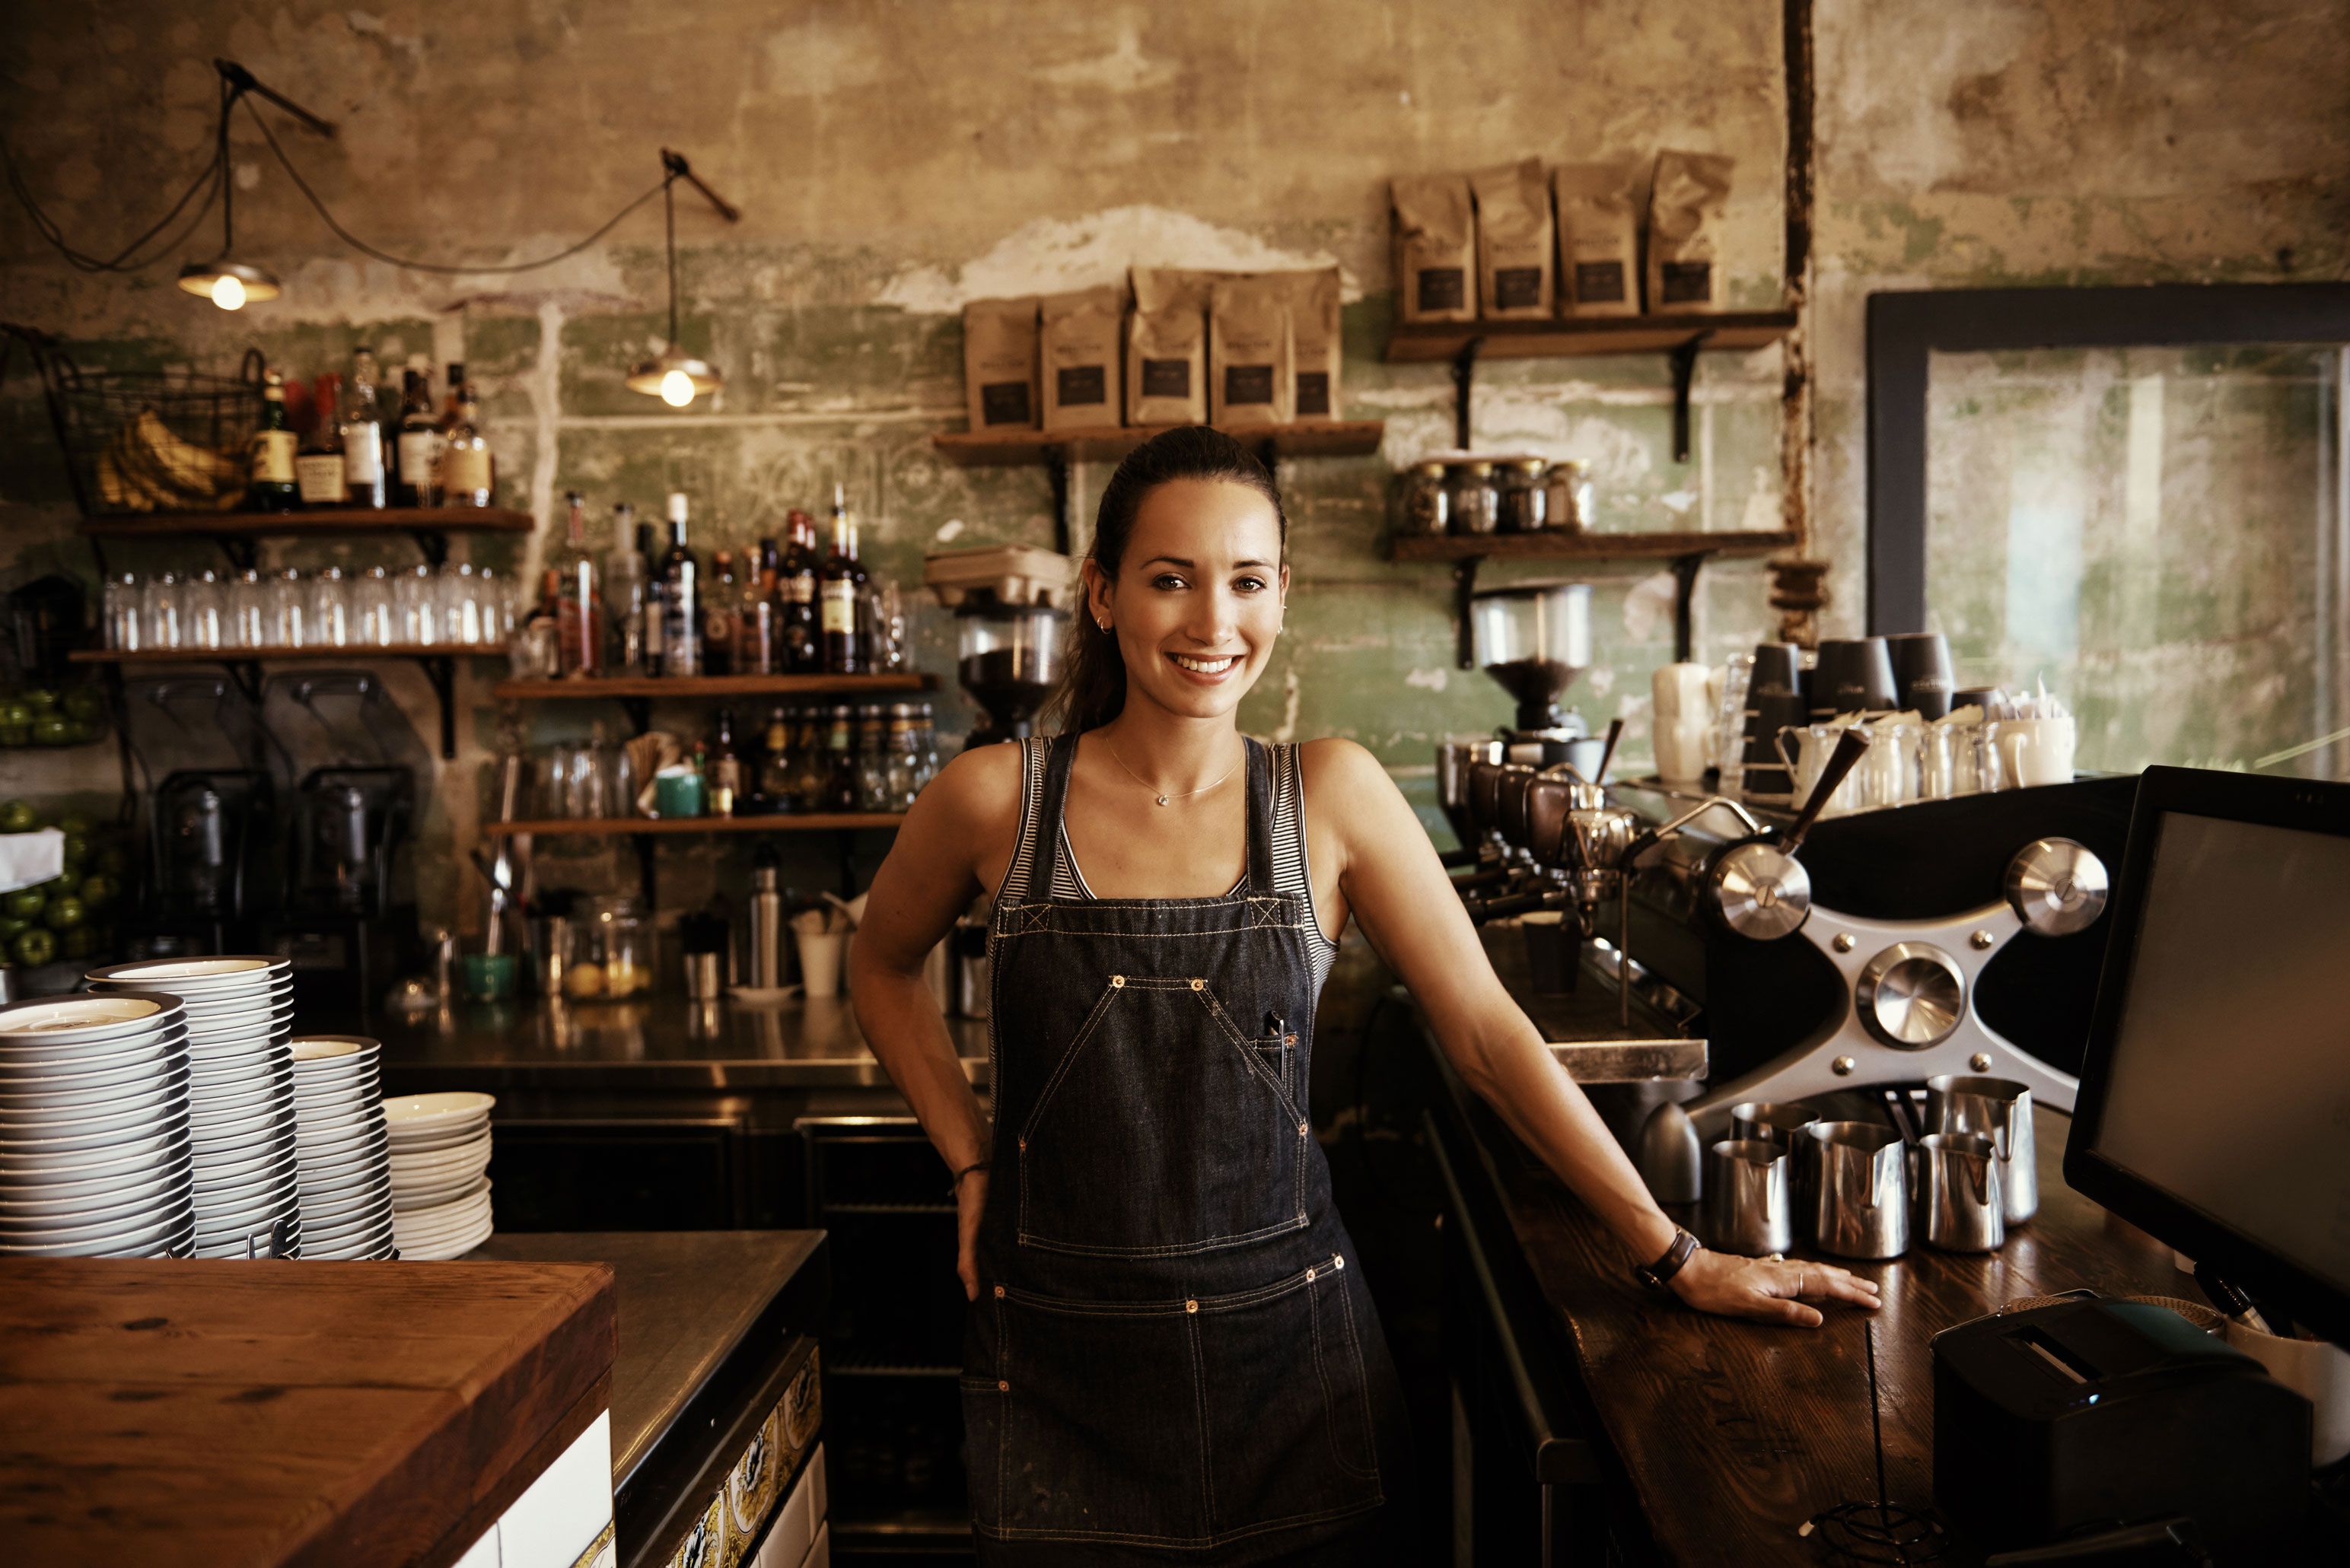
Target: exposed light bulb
column 228, row 292
column 677, row 389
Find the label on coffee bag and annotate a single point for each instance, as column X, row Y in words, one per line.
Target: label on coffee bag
column 1517, row 288
column 1599, row 283
column 1313, row 393
column 1006, row 403
column 1686, row 283
column 1167, row 378
column 1443, row 288
column 1248, row 383
column 1079, row 384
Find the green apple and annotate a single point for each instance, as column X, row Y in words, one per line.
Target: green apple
column 33, row 948
column 76, row 848
column 97, row 891
column 41, row 700
column 18, row 817
column 25, row 904
column 85, row 702
column 64, row 913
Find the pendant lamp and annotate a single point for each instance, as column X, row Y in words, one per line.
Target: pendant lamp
column 675, row 375
column 230, row 283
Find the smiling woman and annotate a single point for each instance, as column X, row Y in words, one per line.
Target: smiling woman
column 1170, row 1355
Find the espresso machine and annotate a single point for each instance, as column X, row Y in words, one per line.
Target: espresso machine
column 343, row 926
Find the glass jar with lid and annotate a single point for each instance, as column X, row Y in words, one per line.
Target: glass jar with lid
column 611, row 952
column 1567, row 495
column 1474, row 501
column 1519, row 495
column 1426, row 508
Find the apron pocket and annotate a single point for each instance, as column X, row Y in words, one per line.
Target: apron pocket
column 1288, row 1404
column 1092, row 1428
column 1161, row 1130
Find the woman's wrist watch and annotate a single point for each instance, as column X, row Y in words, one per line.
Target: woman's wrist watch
column 1659, row 1276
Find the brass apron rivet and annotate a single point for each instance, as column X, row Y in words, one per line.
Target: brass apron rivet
column 1115, row 981
column 1309, row 1276
column 1002, row 1386
column 1191, row 1306
column 1303, row 1129
column 1024, row 1145
column 999, row 1292
column 1337, row 1261
column 1198, row 986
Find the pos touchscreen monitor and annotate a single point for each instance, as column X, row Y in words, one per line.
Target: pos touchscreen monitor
column 2214, row 1109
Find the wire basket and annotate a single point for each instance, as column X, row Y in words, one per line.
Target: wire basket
column 141, row 442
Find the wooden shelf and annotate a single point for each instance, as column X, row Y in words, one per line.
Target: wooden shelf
column 313, row 655
column 1326, row 438
column 1584, row 546
column 591, row 688
column 807, row 822
column 1431, row 342
column 312, row 522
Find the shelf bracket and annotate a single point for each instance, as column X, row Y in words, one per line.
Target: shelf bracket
column 1684, row 360
column 434, row 543
column 1056, row 469
column 246, row 674
column 1464, row 379
column 1685, row 571
column 441, row 672
column 640, row 710
column 242, row 552
column 1464, row 589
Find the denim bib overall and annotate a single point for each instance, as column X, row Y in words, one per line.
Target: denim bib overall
column 1172, row 1357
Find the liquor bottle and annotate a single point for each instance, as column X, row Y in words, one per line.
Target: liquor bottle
column 681, row 598
column 840, row 760
column 419, row 446
column 725, row 775
column 540, row 629
column 650, row 620
column 318, row 466
column 580, row 608
column 451, row 396
column 867, row 631
column 758, row 650
column 836, row 594
column 810, row 765
column 795, row 598
column 270, row 481
column 468, row 472
column 364, row 480
column 872, row 758
column 719, row 615
column 775, row 763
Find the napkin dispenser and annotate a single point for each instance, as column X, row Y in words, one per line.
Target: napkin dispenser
column 2064, row 1420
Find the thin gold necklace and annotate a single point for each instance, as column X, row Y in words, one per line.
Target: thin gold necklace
column 1171, row 799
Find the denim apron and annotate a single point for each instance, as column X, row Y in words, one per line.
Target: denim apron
column 1172, row 1357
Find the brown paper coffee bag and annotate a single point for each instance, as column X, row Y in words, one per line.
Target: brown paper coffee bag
column 1685, row 211
column 1598, row 238
column 1435, row 249
column 999, row 363
column 1166, row 349
column 1249, row 355
column 1514, row 240
column 1078, row 340
column 1313, row 338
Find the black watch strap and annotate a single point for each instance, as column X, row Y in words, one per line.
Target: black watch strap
column 1660, row 1274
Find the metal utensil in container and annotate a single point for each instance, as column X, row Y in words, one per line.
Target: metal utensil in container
column 2000, row 1110
column 1858, row 1184
column 1957, row 1187
column 1749, row 1207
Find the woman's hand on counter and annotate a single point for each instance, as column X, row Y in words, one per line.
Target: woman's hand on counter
column 1769, row 1288
column 971, row 1202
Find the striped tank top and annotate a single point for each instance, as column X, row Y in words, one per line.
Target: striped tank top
column 1290, row 874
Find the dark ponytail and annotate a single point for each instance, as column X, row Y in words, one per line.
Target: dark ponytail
column 1092, row 689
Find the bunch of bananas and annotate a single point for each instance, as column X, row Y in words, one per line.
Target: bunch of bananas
column 147, row 468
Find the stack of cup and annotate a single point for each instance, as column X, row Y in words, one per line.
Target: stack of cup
column 240, row 1012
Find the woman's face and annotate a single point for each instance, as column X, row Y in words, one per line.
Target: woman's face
column 1196, row 607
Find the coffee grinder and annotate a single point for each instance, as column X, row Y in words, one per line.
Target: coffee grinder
column 1535, row 640
column 348, row 935
column 1010, row 605
column 209, row 863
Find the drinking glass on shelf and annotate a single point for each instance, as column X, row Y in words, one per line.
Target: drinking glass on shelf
column 203, row 609
column 378, row 621
column 248, row 609
column 289, row 610
column 461, row 606
column 416, row 599
column 496, row 609
column 330, row 618
column 126, row 612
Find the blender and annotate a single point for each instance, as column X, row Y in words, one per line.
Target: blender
column 1535, row 640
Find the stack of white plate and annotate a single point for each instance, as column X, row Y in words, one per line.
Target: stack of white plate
column 439, row 1157
column 241, row 1095
column 340, row 1150
column 94, row 1151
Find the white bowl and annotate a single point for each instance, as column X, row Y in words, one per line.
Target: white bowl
column 336, row 1048
column 454, row 1108
column 79, row 1020
column 150, row 974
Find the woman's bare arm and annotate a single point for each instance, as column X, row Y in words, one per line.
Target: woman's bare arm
column 1397, row 890
column 929, row 880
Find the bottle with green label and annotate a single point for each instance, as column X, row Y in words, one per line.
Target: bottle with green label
column 272, row 485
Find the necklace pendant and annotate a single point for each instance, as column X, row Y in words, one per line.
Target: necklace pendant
column 1162, row 800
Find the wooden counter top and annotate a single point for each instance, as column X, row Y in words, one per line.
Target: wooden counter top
column 1734, row 1433
column 223, row 1414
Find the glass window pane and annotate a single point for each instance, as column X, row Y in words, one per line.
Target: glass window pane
column 2154, row 533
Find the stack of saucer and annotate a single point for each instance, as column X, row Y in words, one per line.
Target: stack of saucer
column 241, row 1095
column 439, row 1160
column 340, row 1150
column 94, row 1155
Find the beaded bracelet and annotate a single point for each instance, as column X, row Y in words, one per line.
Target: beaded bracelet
column 954, row 1188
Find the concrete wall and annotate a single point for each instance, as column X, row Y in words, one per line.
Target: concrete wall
column 892, row 161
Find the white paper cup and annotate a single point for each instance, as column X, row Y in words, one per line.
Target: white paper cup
column 820, row 956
